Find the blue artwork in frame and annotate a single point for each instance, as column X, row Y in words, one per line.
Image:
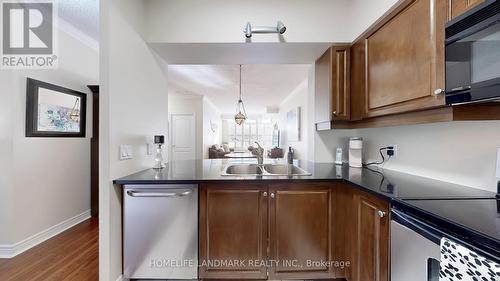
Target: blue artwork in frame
column 54, row 111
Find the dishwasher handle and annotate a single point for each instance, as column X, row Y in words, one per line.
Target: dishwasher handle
column 167, row 193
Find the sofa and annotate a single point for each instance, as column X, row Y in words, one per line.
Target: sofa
column 217, row 151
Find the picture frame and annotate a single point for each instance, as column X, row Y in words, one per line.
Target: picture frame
column 293, row 124
column 54, row 111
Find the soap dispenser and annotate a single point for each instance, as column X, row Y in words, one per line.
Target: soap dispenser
column 290, row 155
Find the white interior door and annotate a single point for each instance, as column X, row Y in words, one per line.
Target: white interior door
column 183, row 137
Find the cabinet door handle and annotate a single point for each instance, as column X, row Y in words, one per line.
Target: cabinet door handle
column 272, row 195
column 334, row 113
column 438, row 92
column 265, row 193
column 381, row 214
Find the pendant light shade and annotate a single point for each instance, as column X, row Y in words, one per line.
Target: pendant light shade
column 241, row 114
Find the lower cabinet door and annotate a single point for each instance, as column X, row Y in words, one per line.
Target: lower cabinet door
column 233, row 231
column 300, row 231
column 372, row 249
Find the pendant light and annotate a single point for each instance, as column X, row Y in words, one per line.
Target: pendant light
column 241, row 114
column 75, row 112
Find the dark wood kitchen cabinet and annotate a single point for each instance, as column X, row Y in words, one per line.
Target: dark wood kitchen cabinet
column 301, row 231
column 291, row 223
column 332, row 85
column 233, row 226
column 370, row 256
column 358, row 74
column 458, row 7
column 395, row 72
column 405, row 59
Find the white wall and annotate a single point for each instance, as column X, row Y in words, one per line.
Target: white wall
column 189, row 104
column 297, row 98
column 134, row 108
column 210, row 115
column 459, row 152
column 364, row 13
column 45, row 181
column 220, row 21
column 6, row 152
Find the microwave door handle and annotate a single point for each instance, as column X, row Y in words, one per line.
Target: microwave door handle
column 181, row 193
column 459, row 89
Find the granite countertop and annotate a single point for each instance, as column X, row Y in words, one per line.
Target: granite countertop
column 388, row 185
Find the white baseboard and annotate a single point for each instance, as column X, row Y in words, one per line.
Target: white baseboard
column 12, row 250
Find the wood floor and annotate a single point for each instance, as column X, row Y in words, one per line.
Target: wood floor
column 71, row 255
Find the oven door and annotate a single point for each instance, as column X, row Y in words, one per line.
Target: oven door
column 473, row 58
column 415, row 249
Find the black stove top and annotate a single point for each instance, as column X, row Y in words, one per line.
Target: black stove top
column 476, row 220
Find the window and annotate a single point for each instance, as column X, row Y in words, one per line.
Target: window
column 247, row 134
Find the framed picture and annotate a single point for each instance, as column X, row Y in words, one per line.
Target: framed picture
column 293, row 124
column 54, row 111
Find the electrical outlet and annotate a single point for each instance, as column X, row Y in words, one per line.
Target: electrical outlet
column 395, row 149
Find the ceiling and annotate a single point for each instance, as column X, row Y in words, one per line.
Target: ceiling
column 81, row 14
column 263, row 85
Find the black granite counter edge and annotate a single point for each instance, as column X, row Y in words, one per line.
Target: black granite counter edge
column 218, row 180
column 382, row 196
column 464, row 233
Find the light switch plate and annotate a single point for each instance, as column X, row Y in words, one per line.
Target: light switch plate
column 498, row 163
column 130, row 152
column 126, row 152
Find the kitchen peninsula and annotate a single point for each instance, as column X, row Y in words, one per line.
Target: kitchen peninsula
column 335, row 213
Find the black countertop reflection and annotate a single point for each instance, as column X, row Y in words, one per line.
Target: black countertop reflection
column 196, row 171
column 387, row 184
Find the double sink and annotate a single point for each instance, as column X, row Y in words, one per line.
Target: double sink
column 264, row 170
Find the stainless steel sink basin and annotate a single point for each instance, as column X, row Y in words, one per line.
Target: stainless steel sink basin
column 264, row 170
column 243, row 169
column 285, row 169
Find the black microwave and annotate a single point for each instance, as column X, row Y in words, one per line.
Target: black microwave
column 473, row 55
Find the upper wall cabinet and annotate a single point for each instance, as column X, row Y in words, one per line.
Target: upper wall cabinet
column 358, row 74
column 405, row 59
column 394, row 74
column 332, row 85
column 458, row 7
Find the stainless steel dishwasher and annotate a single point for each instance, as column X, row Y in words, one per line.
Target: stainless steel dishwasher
column 160, row 231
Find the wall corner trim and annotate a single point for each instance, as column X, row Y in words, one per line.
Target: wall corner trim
column 11, row 250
